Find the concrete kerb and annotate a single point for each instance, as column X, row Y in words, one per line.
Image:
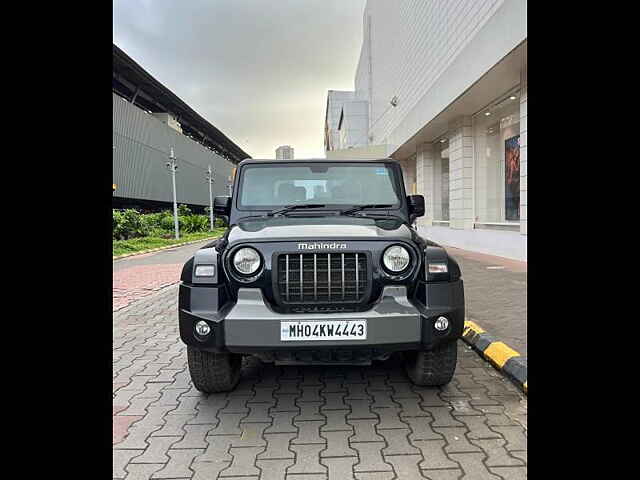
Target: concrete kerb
column 500, row 355
column 167, row 247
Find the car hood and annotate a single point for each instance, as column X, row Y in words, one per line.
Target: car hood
column 319, row 228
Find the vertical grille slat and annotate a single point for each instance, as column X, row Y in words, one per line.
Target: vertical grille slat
column 357, row 268
column 329, row 276
column 343, row 276
column 317, row 278
column 287, row 277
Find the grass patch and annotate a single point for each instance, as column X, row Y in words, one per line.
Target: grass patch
column 120, row 247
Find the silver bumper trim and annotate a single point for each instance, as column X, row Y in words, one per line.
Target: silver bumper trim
column 251, row 323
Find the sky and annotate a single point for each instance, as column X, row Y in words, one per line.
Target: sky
column 258, row 70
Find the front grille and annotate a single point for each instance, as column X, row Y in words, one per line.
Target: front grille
column 311, row 278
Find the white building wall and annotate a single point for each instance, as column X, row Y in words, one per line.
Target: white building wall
column 428, row 54
column 418, row 54
column 461, row 174
column 354, row 127
column 335, row 101
column 523, row 155
column 425, row 172
column 370, row 152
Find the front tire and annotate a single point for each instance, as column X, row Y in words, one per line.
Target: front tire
column 432, row 368
column 213, row 372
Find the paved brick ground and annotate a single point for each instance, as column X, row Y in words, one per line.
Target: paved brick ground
column 139, row 276
column 303, row 423
column 138, row 281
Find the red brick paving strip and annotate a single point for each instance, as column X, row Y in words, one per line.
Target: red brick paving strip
column 131, row 284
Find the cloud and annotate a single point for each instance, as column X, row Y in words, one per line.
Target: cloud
column 258, row 70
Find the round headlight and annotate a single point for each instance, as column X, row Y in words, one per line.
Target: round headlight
column 246, row 261
column 396, row 258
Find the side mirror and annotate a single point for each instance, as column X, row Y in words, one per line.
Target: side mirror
column 222, row 205
column 416, row 205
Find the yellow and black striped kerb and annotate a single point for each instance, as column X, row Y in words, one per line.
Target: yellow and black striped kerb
column 503, row 357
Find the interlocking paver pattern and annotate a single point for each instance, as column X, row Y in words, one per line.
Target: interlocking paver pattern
column 311, row 423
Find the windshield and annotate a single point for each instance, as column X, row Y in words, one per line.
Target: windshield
column 330, row 184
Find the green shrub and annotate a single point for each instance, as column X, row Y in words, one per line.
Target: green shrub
column 117, row 221
column 128, row 224
column 152, row 221
column 166, row 221
column 183, row 210
column 194, row 223
column 220, row 222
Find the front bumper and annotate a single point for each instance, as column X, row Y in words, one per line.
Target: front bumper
column 249, row 326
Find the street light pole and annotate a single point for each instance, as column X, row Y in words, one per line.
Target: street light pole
column 210, row 182
column 171, row 165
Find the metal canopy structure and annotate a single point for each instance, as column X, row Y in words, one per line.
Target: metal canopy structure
column 136, row 85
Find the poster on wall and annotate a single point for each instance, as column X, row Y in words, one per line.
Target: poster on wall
column 512, row 178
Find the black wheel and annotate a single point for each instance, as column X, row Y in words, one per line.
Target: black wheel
column 213, row 372
column 432, row 368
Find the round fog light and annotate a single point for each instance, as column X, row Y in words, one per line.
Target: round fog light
column 202, row 328
column 441, row 323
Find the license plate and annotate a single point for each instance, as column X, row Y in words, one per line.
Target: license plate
column 324, row 330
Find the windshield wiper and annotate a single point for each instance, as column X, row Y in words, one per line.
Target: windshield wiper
column 288, row 208
column 349, row 211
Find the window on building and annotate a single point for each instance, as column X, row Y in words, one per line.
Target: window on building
column 496, row 131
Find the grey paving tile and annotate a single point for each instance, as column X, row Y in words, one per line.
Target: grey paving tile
column 194, row 436
column 309, row 411
column 397, row 442
column 510, row 473
column 307, row 459
column 243, row 463
column 365, row 431
column 120, row 459
column 406, row 466
column 208, row 470
column 178, row 465
column 389, row 418
column 278, row 446
column 514, row 436
column 308, row 432
column 252, row 435
column 498, row 456
column 457, row 441
column 142, row 471
column 274, row 469
column 282, row 423
column 157, row 450
column 370, row 457
column 341, row 468
column 337, row 445
column 217, row 449
column 433, row 454
column 473, row 466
